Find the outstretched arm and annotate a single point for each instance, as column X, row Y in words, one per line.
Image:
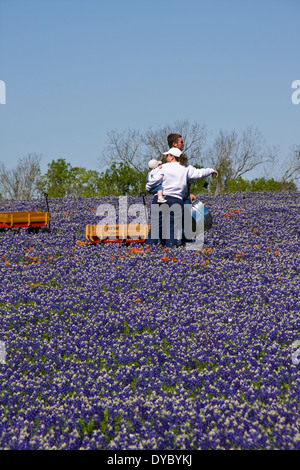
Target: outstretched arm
column 197, row 174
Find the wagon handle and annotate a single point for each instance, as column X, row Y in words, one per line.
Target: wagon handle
column 48, row 210
column 143, row 196
column 46, row 197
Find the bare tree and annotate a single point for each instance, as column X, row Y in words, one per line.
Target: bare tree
column 251, row 152
column 233, row 157
column 125, row 147
column 20, row 182
column 194, row 136
column 291, row 168
column 135, row 149
column 220, row 156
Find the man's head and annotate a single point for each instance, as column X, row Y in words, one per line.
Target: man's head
column 175, row 140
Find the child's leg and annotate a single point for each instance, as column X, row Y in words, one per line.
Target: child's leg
column 160, row 197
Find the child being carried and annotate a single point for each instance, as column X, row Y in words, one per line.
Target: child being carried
column 154, row 166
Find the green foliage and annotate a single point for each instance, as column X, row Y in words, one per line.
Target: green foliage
column 259, row 184
column 55, row 181
column 120, row 180
column 197, row 187
column 63, row 180
column 82, row 182
column 238, row 184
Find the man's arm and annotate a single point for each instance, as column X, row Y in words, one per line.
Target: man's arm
column 197, row 174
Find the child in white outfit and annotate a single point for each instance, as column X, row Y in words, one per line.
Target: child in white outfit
column 154, row 166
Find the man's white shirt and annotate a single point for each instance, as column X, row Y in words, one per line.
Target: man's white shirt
column 174, row 177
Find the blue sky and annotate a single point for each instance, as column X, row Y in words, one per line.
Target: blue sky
column 76, row 69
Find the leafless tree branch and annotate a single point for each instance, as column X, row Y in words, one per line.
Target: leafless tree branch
column 233, row 157
column 20, row 182
column 194, row 136
column 123, row 147
column 291, row 168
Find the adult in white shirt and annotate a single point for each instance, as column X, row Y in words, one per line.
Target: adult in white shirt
column 174, row 178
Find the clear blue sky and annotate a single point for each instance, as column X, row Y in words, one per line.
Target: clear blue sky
column 76, row 69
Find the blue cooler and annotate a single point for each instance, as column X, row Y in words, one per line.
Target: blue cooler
column 200, row 213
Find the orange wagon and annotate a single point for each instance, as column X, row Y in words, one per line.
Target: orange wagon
column 33, row 220
column 127, row 233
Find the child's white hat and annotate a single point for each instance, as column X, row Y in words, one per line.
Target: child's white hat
column 153, row 164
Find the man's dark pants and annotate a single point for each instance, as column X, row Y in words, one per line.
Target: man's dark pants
column 166, row 223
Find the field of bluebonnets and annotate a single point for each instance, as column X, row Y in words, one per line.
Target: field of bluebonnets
column 128, row 347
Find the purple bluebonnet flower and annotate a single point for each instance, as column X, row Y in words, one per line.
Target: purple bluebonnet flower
column 111, row 348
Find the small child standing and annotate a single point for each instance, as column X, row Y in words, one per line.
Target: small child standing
column 154, row 166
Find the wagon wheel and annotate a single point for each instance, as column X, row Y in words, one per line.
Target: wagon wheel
column 33, row 229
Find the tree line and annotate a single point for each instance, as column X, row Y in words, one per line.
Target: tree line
column 127, row 153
